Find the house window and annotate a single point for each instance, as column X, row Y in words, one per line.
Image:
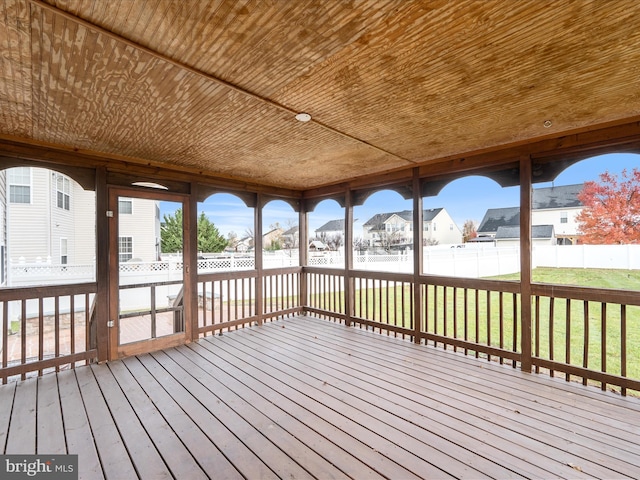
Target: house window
column 563, row 217
column 63, row 251
column 19, row 180
column 125, row 249
column 63, row 192
column 125, row 205
column 451, row 227
column 434, row 227
column 426, row 227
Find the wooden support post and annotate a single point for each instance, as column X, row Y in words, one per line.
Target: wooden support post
column 303, row 245
column 525, row 262
column 102, row 266
column 190, row 270
column 417, row 255
column 257, row 242
column 349, row 287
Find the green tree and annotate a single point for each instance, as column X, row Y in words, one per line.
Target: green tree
column 171, row 232
column 209, row 238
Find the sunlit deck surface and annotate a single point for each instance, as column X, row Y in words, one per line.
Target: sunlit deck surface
column 307, row 398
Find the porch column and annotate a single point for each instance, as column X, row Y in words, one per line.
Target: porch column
column 525, row 262
column 417, row 255
column 349, row 287
column 102, row 267
column 257, row 244
column 303, row 243
column 190, row 272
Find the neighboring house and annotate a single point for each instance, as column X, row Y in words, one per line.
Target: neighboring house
column 540, row 235
column 138, row 229
column 244, row 244
column 50, row 218
column 317, row 246
column 396, row 228
column 291, row 238
column 272, row 236
column 331, row 234
column 555, row 206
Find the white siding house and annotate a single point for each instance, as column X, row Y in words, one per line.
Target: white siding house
column 49, row 219
column 396, row 228
column 555, row 206
column 138, row 229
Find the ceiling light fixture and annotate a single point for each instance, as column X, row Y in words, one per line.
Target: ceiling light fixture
column 303, row 117
column 547, row 123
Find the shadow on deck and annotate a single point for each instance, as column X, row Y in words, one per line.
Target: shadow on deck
column 308, row 398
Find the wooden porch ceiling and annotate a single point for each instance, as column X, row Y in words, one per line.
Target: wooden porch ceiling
column 213, row 86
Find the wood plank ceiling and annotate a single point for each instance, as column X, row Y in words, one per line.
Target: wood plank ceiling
column 213, row 86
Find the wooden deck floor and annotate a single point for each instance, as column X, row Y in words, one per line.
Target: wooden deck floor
column 307, row 398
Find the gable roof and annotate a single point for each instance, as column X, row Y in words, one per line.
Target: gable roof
column 380, row 218
column 565, row 196
column 499, row 217
column 332, row 226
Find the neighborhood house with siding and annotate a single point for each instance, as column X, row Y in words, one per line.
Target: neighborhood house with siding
column 555, row 207
column 396, row 228
column 48, row 218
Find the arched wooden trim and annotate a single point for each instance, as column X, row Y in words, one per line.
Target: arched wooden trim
column 505, row 176
column 361, row 196
column 310, row 204
column 85, row 177
column 205, row 191
column 293, row 202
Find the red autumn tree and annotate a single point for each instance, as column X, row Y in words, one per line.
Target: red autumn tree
column 611, row 213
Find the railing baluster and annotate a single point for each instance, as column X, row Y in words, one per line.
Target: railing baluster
column 40, row 330
column 515, row 326
column 5, row 336
column 153, row 312
column 567, row 345
column 57, row 329
column 537, row 330
column 477, row 320
column 466, row 319
column 501, row 320
column 623, row 345
column 455, row 316
column 551, row 330
column 488, row 321
column 585, row 351
column 603, row 340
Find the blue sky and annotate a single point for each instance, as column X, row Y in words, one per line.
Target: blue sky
column 466, row 198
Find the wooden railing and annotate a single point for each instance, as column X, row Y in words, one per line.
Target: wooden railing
column 230, row 300
column 483, row 318
column 604, row 324
column 45, row 328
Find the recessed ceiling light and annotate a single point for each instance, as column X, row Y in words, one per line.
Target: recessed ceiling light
column 547, row 123
column 303, row 117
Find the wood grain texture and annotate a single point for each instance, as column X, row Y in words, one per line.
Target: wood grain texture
column 212, row 85
column 310, row 398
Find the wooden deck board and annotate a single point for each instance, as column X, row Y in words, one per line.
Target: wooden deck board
column 7, row 393
column 50, row 429
column 307, row 398
column 22, row 429
column 576, row 431
column 78, row 434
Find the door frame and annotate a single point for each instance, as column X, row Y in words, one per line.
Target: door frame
column 135, row 348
